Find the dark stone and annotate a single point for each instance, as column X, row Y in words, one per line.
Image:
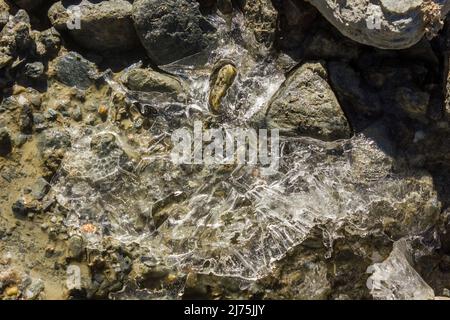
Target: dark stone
column 5, row 142
column 26, row 120
column 75, row 71
column 51, row 42
column 171, row 30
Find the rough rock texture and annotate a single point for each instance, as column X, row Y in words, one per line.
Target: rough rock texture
column 171, row 30
column 29, row 5
column 75, row 71
column 104, row 25
column 387, row 24
column 306, row 105
column 4, row 13
column 151, row 81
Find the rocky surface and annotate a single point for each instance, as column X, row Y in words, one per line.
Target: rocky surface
column 92, row 205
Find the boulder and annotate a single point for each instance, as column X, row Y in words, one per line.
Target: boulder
column 386, row 24
column 103, row 25
column 171, row 30
column 306, row 105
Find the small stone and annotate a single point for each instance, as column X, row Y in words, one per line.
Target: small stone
column 221, row 80
column 103, row 111
column 147, row 80
column 12, row 291
column 76, row 114
column 34, row 70
column 75, row 247
column 5, row 142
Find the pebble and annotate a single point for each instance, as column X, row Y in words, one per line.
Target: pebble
column 12, row 291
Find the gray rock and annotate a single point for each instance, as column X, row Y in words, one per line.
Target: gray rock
column 104, row 25
column 40, row 188
column 33, row 291
column 171, row 30
column 50, row 42
column 387, row 24
column 414, row 102
column 5, row 142
column 34, row 70
column 4, row 13
column 73, row 70
column 15, row 38
column 147, row 80
column 306, row 105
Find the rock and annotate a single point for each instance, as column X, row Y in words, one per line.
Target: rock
column 261, row 18
column 147, row 80
column 306, row 105
column 12, row 291
column 4, row 13
column 221, row 80
column 5, row 142
column 40, row 188
column 296, row 20
column 75, row 247
column 26, row 119
column 33, row 291
column 34, row 70
column 53, row 139
column 103, row 25
column 50, row 43
column 15, row 38
column 386, row 24
column 73, row 70
column 171, row 30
